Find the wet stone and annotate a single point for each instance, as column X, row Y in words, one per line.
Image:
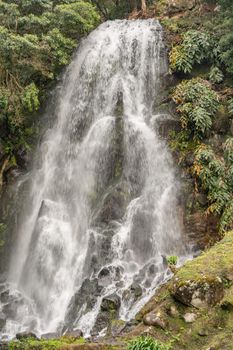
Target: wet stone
column 75, row 333
column 52, row 335
column 26, row 335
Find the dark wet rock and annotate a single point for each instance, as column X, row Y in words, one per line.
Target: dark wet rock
column 117, row 327
column 155, row 319
column 99, row 250
column 52, row 335
column 23, row 158
column 202, row 199
column 111, row 303
column 165, row 124
column 109, row 311
column 75, row 333
column 189, row 159
column 112, row 206
column 85, row 299
column 2, row 320
column 104, row 272
column 136, row 289
column 26, row 335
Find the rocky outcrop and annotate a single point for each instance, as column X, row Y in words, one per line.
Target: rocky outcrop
column 109, row 310
column 199, row 294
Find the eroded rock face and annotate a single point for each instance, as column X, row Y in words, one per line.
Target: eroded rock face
column 109, row 311
column 86, row 296
column 199, row 294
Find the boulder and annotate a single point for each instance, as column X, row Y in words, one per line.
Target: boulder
column 190, row 317
column 26, row 335
column 74, row 333
column 52, row 335
column 155, row 319
column 109, row 311
column 136, row 290
column 111, row 303
column 199, row 294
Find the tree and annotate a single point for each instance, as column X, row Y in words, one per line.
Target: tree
column 143, row 5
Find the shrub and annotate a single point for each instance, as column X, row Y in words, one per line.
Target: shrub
column 216, row 75
column 215, row 177
column 37, row 38
column 172, row 260
column 197, row 105
column 195, row 48
column 147, row 343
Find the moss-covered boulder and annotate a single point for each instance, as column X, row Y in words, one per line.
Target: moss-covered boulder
column 201, row 282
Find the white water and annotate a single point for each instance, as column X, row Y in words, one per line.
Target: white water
column 58, row 236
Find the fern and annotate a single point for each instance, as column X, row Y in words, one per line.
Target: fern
column 196, row 47
column 197, row 105
column 147, row 343
column 216, row 75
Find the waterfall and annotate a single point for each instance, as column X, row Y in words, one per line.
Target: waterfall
column 101, row 210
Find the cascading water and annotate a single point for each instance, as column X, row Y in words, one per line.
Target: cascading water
column 101, row 211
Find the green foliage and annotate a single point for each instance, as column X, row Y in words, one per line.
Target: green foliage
column 197, row 105
column 37, row 38
column 172, row 260
column 230, row 107
column 30, row 98
column 51, row 344
column 216, row 75
column 146, row 343
column 195, row 48
column 216, row 178
column 112, row 9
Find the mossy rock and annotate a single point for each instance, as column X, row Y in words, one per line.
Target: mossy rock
column 201, row 282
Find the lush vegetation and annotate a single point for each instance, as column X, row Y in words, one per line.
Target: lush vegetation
column 146, row 343
column 37, row 39
column 43, row 344
column 172, row 260
column 202, row 59
column 197, row 105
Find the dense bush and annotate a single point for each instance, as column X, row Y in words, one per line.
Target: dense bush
column 197, row 105
column 195, row 48
column 215, row 175
column 147, row 343
column 37, row 38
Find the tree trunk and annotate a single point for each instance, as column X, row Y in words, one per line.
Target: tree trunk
column 143, row 5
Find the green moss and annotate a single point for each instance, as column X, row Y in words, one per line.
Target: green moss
column 217, row 262
column 51, row 344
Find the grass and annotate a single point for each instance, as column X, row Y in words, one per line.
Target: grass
column 51, row 344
